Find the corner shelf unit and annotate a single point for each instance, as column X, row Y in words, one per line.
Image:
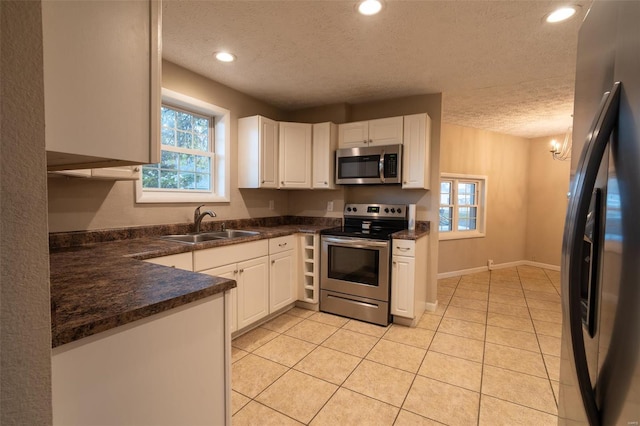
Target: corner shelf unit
column 310, row 274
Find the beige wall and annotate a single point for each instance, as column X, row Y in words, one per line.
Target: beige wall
column 505, row 160
column 82, row 204
column 25, row 321
column 547, row 195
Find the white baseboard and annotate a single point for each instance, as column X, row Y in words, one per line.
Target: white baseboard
column 431, row 307
column 498, row 266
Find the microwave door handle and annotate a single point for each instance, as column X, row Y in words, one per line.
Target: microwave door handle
column 381, row 166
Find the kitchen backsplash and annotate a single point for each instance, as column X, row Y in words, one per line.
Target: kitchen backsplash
column 78, row 238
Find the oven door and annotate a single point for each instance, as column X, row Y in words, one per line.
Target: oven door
column 355, row 266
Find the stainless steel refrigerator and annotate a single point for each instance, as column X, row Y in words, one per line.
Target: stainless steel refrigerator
column 600, row 362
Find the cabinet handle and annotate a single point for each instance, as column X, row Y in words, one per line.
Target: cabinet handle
column 394, row 262
column 405, row 182
column 403, row 248
column 325, row 182
column 263, row 181
column 137, row 169
column 364, row 141
column 282, row 244
column 235, row 272
column 273, row 261
column 370, row 140
column 282, row 182
column 241, row 270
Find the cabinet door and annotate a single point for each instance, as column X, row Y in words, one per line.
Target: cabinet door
column 416, row 157
column 229, row 272
column 178, row 261
column 402, row 286
column 325, row 138
column 295, row 155
column 253, row 290
column 117, row 173
column 268, row 153
column 281, row 284
column 385, row 131
column 101, row 82
column 353, row 135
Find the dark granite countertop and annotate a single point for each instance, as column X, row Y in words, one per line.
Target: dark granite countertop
column 99, row 286
column 422, row 229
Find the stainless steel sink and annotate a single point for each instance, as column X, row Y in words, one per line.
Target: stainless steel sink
column 233, row 233
column 209, row 236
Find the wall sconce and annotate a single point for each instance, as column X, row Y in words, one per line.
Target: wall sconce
column 562, row 151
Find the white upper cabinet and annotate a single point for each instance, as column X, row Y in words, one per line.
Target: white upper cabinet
column 106, row 173
column 417, row 148
column 325, row 141
column 295, row 155
column 102, row 78
column 257, row 152
column 382, row 131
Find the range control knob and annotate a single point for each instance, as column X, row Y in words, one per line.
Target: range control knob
column 386, row 210
column 393, row 210
column 399, row 210
column 348, row 209
column 355, row 209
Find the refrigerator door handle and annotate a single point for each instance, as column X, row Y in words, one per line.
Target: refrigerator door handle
column 582, row 188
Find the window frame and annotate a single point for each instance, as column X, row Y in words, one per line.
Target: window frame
column 220, row 155
column 481, row 204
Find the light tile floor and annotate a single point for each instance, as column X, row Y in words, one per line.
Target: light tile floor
column 489, row 355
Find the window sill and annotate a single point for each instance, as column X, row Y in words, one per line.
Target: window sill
column 157, row 197
column 443, row 236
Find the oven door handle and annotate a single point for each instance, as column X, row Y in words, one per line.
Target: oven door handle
column 356, row 242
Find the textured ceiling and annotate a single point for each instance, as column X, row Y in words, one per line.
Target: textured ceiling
column 498, row 65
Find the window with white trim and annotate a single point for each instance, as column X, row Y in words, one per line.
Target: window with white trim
column 462, row 206
column 194, row 162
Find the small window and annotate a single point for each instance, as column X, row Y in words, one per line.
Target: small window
column 187, row 154
column 462, row 206
column 193, row 163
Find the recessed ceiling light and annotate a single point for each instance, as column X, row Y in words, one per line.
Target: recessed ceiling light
column 225, row 57
column 370, row 7
column 561, row 14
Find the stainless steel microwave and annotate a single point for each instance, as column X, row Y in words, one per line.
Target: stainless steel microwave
column 369, row 165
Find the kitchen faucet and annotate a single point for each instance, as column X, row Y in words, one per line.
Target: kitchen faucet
column 197, row 217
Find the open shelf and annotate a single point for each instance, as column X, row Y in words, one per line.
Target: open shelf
column 310, row 248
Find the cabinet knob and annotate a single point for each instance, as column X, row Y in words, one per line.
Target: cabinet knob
column 241, row 270
column 235, row 272
column 262, row 181
column 282, row 244
column 325, row 182
column 273, row 262
column 364, row 141
column 281, row 182
column 405, row 182
column 394, row 262
column 137, row 169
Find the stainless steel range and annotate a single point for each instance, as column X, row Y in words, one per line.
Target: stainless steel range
column 355, row 262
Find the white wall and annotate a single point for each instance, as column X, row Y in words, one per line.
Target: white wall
column 547, row 202
column 25, row 322
column 505, row 160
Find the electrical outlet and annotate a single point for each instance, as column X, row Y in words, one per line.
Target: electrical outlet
column 329, row 206
column 272, row 205
column 490, row 264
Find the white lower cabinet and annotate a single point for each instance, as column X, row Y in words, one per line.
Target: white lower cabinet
column 282, row 288
column 408, row 280
column 230, row 272
column 167, row 369
column 253, row 291
column 402, row 285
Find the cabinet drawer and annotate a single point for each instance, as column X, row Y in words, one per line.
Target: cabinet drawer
column 219, row 256
column 404, row 248
column 179, row 261
column 280, row 244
